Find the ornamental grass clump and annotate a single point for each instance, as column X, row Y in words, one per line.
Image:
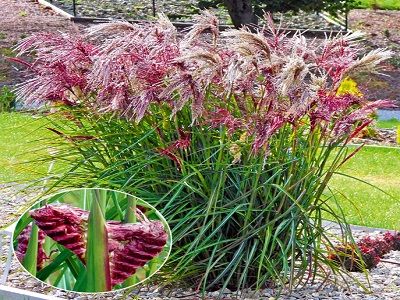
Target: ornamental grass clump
column 233, row 136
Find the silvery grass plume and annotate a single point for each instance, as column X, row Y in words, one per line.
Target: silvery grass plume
column 263, row 79
column 205, row 22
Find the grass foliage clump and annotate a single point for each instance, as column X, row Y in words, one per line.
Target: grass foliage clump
column 233, row 136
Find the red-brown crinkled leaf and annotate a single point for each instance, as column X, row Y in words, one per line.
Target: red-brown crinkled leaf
column 131, row 246
column 23, row 240
column 64, row 224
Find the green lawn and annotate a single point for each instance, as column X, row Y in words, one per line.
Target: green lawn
column 20, row 133
column 378, row 166
column 391, row 123
column 380, row 4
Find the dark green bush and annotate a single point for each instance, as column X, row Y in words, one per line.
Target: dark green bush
column 7, row 99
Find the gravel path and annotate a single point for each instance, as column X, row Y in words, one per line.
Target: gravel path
column 178, row 10
column 385, row 279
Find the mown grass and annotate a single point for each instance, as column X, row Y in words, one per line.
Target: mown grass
column 366, row 205
column 20, row 134
column 380, row 4
column 391, row 123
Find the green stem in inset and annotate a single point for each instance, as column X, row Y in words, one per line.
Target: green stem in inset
column 97, row 260
column 30, row 259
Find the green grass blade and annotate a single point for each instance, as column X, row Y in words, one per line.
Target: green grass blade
column 130, row 212
column 30, row 258
column 55, row 265
column 80, row 284
column 97, row 260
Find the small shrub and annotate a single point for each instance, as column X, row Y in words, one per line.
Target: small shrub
column 7, row 99
column 366, row 253
column 369, row 132
column 348, row 257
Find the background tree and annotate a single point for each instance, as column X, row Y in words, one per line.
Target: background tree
column 241, row 12
column 244, row 12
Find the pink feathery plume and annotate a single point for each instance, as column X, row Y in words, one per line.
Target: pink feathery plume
column 61, row 65
column 345, row 124
column 223, row 117
column 130, row 69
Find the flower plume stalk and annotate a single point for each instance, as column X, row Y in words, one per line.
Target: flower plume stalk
column 97, row 256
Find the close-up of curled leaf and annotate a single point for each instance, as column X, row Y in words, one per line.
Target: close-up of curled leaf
column 96, row 254
column 64, row 224
column 132, row 245
column 23, row 243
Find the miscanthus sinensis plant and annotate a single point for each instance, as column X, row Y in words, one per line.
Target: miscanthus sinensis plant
column 233, row 136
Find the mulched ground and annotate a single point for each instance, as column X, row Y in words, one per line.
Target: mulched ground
column 382, row 29
column 384, row 280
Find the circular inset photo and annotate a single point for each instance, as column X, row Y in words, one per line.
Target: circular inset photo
column 92, row 240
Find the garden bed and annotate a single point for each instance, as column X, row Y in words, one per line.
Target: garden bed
column 240, row 232
column 381, row 28
column 384, row 279
column 20, row 19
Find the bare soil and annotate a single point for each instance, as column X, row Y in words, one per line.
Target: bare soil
column 382, row 29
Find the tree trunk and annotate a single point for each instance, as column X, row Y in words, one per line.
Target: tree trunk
column 241, row 12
